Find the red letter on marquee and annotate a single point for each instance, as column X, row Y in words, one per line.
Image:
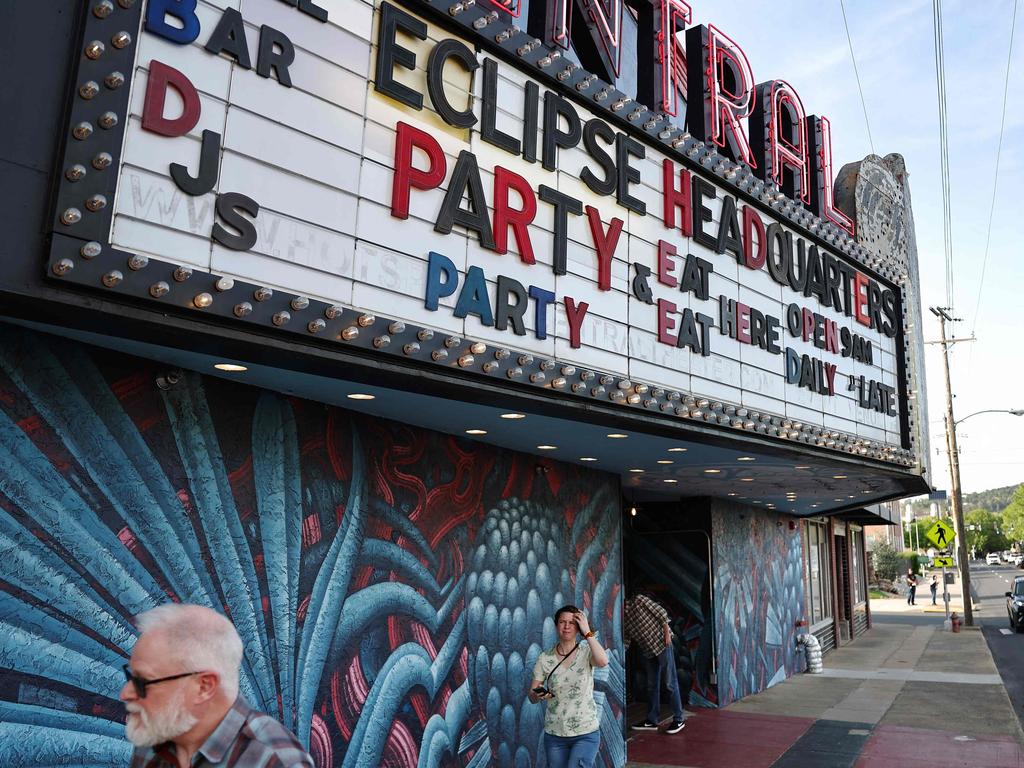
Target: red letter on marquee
column 160, row 77
column 407, row 177
column 752, row 223
column 860, row 299
column 666, row 322
column 604, row 244
column 505, row 216
column 822, row 200
column 714, row 112
column 677, row 197
column 575, row 313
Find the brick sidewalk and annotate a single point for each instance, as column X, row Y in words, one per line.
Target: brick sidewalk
column 898, row 696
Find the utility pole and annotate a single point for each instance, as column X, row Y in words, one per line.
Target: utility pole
column 954, row 471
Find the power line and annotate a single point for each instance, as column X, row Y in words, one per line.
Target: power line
column 995, row 177
column 940, row 81
column 856, row 74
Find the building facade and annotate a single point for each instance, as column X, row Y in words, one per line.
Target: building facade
column 387, row 329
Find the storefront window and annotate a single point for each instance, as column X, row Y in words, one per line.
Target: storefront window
column 819, row 590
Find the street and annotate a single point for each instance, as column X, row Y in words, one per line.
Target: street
column 991, row 582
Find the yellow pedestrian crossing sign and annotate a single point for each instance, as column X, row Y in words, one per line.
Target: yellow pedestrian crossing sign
column 940, row 534
column 943, row 562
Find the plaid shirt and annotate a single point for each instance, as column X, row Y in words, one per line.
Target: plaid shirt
column 644, row 622
column 245, row 738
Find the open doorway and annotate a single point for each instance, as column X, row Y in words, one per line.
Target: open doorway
column 667, row 550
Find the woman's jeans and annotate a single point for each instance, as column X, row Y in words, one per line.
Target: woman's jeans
column 662, row 666
column 572, row 751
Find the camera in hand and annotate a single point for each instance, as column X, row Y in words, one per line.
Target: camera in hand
column 540, row 690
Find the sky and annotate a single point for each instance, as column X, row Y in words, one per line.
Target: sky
column 804, row 42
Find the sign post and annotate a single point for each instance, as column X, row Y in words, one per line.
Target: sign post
column 941, row 535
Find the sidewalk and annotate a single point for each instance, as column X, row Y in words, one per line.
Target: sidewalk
column 900, row 696
column 923, row 599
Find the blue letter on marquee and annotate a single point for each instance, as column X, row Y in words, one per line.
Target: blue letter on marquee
column 183, row 10
column 439, row 266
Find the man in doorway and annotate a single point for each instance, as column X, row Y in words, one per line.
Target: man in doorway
column 645, row 621
column 182, row 697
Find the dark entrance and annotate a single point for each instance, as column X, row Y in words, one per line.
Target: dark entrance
column 667, row 550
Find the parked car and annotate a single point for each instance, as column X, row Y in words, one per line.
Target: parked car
column 1016, row 558
column 992, row 558
column 1015, row 605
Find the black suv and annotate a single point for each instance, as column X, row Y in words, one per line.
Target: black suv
column 1015, row 604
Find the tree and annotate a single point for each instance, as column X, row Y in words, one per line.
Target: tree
column 886, row 561
column 987, row 534
column 1013, row 517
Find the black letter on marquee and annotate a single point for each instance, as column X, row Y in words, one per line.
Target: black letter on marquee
column 641, row 288
column 504, row 312
column 449, row 49
column 227, row 203
column 701, row 212
column 554, row 107
column 531, row 98
column 563, row 205
column 466, row 180
column 390, row 54
column 626, row 147
column 729, row 229
column 488, row 128
column 209, row 163
column 267, row 58
column 229, row 37
column 308, row 7
column 598, row 129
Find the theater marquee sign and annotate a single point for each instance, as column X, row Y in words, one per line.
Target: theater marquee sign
column 468, row 185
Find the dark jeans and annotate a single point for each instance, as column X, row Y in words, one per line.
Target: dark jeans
column 664, row 664
column 571, row 751
column 911, row 594
column 935, row 592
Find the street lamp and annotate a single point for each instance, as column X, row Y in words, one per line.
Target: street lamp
column 1012, row 412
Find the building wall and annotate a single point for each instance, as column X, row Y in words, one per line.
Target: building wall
column 759, row 597
column 393, row 586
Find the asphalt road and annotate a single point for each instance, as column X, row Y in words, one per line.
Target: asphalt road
column 991, row 583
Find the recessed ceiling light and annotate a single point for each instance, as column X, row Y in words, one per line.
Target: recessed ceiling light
column 851, row 496
column 476, row 431
column 665, row 461
column 839, row 477
column 587, row 458
column 546, row 447
column 361, row 396
column 746, row 479
column 670, row 480
column 801, row 466
column 712, row 471
column 746, row 458
column 617, row 435
column 513, row 415
column 636, row 470
column 731, row 494
column 758, row 501
column 814, row 505
column 836, row 499
column 230, row 367
column 677, row 450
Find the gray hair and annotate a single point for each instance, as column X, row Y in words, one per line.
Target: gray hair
column 200, row 638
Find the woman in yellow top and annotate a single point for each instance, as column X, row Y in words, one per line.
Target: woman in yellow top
column 564, row 678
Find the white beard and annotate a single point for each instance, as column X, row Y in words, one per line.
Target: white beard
column 144, row 729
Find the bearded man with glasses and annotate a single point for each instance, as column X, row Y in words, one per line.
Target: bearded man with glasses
column 181, row 693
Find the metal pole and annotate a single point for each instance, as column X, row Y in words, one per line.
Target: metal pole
column 954, row 477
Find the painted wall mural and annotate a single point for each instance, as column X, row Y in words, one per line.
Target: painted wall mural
column 759, row 597
column 393, row 586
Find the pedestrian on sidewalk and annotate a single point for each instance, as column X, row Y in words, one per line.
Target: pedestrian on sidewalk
column 645, row 621
column 911, row 587
column 934, row 587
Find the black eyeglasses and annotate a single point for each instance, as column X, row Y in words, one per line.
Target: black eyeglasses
column 141, row 683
